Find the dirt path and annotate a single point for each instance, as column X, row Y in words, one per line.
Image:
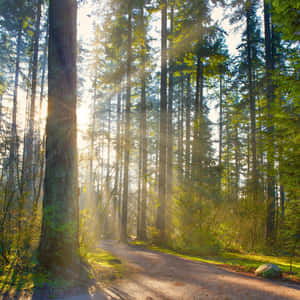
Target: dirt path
column 162, row 276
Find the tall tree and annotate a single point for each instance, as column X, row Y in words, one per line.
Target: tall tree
column 143, row 140
column 170, row 108
column 249, row 41
column 161, row 210
column 269, row 59
column 29, row 146
column 58, row 248
column 127, row 125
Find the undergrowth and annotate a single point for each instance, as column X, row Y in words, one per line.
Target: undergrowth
column 26, row 279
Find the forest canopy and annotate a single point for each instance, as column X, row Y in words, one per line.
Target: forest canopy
column 185, row 143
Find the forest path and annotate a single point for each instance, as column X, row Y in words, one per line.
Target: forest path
column 157, row 275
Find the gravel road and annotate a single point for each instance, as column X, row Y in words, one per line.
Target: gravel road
column 162, row 276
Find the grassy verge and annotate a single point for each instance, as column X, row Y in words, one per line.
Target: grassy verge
column 17, row 279
column 105, row 267
column 241, row 262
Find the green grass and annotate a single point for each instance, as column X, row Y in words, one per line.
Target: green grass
column 238, row 261
column 105, row 266
column 15, row 278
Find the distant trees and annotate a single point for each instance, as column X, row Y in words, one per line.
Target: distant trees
column 187, row 183
column 20, row 36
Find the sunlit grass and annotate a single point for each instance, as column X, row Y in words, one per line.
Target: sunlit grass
column 105, row 267
column 237, row 261
column 16, row 279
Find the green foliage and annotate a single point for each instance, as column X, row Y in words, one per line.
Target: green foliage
column 88, row 234
column 290, row 233
column 286, row 16
column 193, row 222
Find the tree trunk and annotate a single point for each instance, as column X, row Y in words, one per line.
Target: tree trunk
column 188, row 130
column 91, row 203
column 170, row 111
column 108, row 142
column 14, row 143
column 144, row 142
column 138, row 215
column 29, row 158
column 196, row 162
column 221, row 122
column 161, row 210
column 270, row 128
column 116, row 208
column 127, row 130
column 237, row 161
column 58, row 248
column 180, row 128
column 254, row 174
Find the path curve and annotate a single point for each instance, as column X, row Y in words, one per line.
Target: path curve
column 163, row 276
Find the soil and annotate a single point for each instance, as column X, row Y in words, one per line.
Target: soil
column 157, row 275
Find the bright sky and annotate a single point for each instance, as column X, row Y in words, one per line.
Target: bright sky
column 85, row 33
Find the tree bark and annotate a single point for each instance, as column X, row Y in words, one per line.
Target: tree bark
column 117, row 197
column 196, row 162
column 170, row 111
column 12, row 160
column 58, row 248
column 252, row 104
column 221, row 121
column 269, row 59
column 161, row 210
column 188, row 130
column 180, row 127
column 30, row 145
column 127, row 128
column 143, row 232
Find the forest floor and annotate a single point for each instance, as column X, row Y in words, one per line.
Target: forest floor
column 134, row 272
column 156, row 275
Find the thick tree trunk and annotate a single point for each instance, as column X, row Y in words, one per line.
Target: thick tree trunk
column 58, row 248
column 127, row 129
column 161, row 210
